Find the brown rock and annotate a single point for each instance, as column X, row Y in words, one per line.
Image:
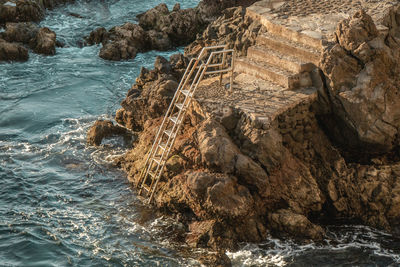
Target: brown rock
column 363, row 86
column 8, row 11
column 22, row 32
column 296, row 225
column 29, row 11
column 99, row 35
column 103, row 129
column 199, row 232
column 119, row 50
column 45, row 42
column 12, row 52
column 150, row 19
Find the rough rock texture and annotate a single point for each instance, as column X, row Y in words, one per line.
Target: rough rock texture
column 12, row 52
column 153, row 91
column 158, row 29
column 103, row 129
column 26, row 10
column 233, row 28
column 232, row 180
column 22, row 32
column 44, row 42
column 362, row 72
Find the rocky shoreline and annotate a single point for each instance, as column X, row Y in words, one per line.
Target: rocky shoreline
column 331, row 156
column 20, row 30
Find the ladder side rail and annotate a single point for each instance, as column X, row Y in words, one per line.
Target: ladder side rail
column 173, row 132
column 169, row 108
column 187, row 100
column 232, row 71
column 222, row 65
column 200, row 75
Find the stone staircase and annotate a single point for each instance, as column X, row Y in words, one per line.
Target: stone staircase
column 282, row 58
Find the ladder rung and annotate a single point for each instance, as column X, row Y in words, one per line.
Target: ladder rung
column 174, row 119
column 163, row 146
column 168, row 132
column 180, row 106
column 145, row 187
column 152, row 174
column 186, row 92
column 157, row 160
column 218, row 71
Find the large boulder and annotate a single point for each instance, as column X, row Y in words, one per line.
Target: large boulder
column 296, row 225
column 118, row 51
column 8, row 11
column 28, row 10
column 362, row 74
column 98, row 36
column 102, row 129
column 23, row 32
column 45, row 42
column 12, row 52
column 233, row 28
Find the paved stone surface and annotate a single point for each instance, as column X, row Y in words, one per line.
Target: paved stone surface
column 317, row 18
column 260, row 101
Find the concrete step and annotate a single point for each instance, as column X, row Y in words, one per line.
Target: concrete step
column 284, row 46
column 279, row 60
column 260, row 12
column 282, row 77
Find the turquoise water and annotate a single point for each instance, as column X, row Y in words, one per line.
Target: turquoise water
column 63, row 204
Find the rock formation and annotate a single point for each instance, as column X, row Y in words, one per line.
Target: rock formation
column 12, row 52
column 103, row 129
column 232, row 180
column 20, row 31
column 362, row 74
column 158, row 29
column 232, row 28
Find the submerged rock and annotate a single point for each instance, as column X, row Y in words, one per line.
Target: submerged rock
column 103, row 129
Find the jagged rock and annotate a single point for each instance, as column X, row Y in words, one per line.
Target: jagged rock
column 98, row 36
column 45, row 42
column 233, row 28
column 176, row 7
column 351, row 33
column 150, row 19
column 8, row 11
column 363, row 77
column 162, row 65
column 121, row 42
column 22, row 32
column 118, row 51
column 159, row 40
column 162, row 29
column 199, row 232
column 231, row 180
column 133, row 34
column 29, row 11
column 102, row 129
column 12, row 52
column 296, row 225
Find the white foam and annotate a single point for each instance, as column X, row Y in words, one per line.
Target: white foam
column 9, row 4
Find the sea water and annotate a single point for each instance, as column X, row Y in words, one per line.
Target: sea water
column 63, row 203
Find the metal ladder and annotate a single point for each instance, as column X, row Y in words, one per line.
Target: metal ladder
column 173, row 119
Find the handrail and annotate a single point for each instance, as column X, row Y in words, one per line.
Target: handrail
column 168, row 134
